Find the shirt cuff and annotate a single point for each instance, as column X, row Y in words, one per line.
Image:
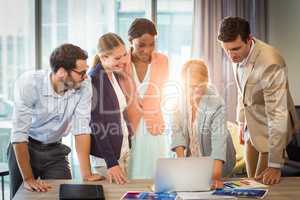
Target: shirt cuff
column 275, row 165
column 18, row 137
column 111, row 162
column 81, row 127
column 82, row 130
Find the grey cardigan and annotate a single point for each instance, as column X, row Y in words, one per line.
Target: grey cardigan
column 214, row 137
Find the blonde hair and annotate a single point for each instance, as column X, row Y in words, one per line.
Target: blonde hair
column 106, row 44
column 195, row 68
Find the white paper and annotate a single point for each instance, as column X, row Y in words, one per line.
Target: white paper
column 201, row 195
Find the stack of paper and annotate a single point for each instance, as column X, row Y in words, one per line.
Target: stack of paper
column 135, row 195
column 201, row 195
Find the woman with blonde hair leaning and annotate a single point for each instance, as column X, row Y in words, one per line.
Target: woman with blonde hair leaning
column 199, row 125
column 149, row 72
column 111, row 132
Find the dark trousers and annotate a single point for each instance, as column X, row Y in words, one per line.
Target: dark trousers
column 47, row 162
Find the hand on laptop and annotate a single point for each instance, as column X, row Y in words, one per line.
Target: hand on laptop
column 115, row 173
column 216, row 184
column 36, row 185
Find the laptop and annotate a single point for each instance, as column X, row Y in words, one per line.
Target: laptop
column 183, row 174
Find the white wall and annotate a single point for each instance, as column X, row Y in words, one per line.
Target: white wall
column 284, row 34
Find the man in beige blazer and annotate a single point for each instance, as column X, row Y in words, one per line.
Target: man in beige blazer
column 265, row 111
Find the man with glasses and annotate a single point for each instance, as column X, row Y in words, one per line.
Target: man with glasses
column 50, row 104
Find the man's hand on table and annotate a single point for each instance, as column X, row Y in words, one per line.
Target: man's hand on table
column 93, row 177
column 36, row 185
column 269, row 176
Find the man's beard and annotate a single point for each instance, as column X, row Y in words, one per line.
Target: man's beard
column 70, row 84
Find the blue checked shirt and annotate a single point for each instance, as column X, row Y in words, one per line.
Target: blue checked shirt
column 42, row 114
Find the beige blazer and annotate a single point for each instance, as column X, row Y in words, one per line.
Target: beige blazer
column 265, row 104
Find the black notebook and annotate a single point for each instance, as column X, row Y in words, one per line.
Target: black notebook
column 80, row 191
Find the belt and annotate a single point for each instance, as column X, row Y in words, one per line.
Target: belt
column 36, row 142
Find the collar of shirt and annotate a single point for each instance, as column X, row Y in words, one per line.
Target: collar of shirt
column 48, row 89
column 244, row 62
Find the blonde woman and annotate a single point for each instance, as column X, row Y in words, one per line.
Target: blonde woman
column 199, row 123
column 109, row 122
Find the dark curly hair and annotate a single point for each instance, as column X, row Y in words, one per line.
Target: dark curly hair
column 65, row 56
column 231, row 27
column 141, row 26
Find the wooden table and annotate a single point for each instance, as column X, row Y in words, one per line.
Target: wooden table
column 287, row 189
column 111, row 191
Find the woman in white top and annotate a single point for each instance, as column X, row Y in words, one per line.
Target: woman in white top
column 150, row 72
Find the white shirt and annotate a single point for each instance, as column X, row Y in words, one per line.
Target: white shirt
column 242, row 68
column 122, row 106
column 42, row 114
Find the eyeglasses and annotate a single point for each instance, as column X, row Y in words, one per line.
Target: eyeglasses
column 81, row 73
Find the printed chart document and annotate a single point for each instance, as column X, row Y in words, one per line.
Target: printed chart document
column 249, row 193
column 244, row 184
